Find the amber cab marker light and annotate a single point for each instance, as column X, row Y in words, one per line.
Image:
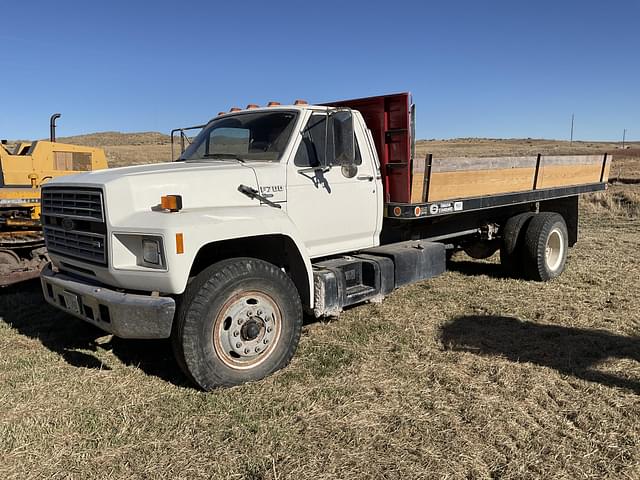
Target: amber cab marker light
column 251, row 106
column 221, row 113
column 273, row 104
column 235, row 109
column 179, row 243
column 173, row 203
column 301, row 102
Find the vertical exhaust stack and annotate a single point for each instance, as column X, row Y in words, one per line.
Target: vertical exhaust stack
column 52, row 126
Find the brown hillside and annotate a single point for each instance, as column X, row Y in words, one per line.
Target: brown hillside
column 102, row 139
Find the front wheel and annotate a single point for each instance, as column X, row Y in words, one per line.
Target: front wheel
column 238, row 321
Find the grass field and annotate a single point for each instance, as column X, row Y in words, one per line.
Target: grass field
column 469, row 375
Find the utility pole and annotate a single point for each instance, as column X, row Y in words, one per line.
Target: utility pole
column 571, row 142
column 624, row 134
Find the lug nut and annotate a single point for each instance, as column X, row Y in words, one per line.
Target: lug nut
column 269, row 329
column 238, row 345
column 259, row 312
column 257, row 349
column 236, row 333
column 240, row 321
column 249, row 313
column 265, row 341
column 246, row 351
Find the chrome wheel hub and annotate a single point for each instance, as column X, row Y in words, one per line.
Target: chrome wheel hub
column 246, row 329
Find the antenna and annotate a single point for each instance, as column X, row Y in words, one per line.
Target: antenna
column 624, row 134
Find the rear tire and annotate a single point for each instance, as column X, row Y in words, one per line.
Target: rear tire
column 513, row 234
column 238, row 321
column 546, row 244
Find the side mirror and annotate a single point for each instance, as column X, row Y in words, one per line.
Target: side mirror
column 341, row 123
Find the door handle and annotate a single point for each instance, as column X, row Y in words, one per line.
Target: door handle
column 365, row 177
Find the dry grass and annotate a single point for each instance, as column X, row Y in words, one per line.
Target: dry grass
column 469, row 375
column 618, row 201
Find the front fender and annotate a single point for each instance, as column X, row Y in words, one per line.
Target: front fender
column 200, row 227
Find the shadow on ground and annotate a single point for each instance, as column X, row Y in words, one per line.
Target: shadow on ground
column 23, row 308
column 571, row 351
column 476, row 267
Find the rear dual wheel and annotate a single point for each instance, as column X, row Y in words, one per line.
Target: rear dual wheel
column 535, row 246
column 546, row 245
column 513, row 233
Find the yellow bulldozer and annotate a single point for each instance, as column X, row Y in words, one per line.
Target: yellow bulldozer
column 24, row 167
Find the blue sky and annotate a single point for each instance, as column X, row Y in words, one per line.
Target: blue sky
column 475, row 68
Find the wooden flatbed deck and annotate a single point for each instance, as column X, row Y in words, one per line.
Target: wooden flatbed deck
column 448, row 185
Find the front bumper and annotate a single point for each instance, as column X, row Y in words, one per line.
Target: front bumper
column 125, row 315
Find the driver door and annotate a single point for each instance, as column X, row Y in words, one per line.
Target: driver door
column 335, row 210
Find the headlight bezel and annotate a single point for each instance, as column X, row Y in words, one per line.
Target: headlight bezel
column 127, row 252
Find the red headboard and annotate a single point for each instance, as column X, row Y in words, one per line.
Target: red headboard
column 389, row 119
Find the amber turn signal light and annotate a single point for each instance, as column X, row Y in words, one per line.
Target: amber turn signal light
column 179, row 243
column 301, row 102
column 173, row 203
column 273, row 104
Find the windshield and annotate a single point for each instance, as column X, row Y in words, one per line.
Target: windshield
column 260, row 136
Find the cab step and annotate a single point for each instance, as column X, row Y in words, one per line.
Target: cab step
column 373, row 273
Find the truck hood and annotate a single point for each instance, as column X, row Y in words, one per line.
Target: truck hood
column 203, row 184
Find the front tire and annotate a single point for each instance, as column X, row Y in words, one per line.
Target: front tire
column 239, row 321
column 546, row 244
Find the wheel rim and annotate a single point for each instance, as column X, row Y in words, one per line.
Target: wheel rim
column 554, row 250
column 246, row 329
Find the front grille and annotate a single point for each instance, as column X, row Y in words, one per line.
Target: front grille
column 73, row 223
column 84, row 204
column 87, row 246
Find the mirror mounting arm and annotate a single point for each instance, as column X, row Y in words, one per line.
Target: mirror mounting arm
column 323, row 169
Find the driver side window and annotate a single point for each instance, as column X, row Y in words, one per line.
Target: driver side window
column 311, row 149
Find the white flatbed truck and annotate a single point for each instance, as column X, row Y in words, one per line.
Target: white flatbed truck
column 277, row 210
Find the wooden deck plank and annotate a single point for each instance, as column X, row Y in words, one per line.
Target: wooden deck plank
column 565, row 175
column 475, row 183
column 417, row 180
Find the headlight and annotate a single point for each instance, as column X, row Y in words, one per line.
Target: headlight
column 152, row 251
